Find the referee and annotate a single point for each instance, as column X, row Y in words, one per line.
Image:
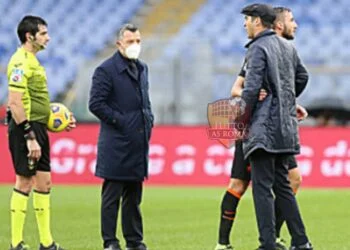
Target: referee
column 29, row 105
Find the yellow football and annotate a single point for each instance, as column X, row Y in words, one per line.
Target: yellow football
column 59, row 117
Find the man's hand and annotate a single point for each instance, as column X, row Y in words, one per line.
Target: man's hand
column 72, row 123
column 301, row 113
column 262, row 94
column 34, row 149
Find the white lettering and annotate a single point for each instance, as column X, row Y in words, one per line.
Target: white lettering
column 306, row 151
column 93, row 166
column 184, row 167
column 63, row 145
column 186, row 149
column 216, row 150
column 347, row 168
column 156, row 149
column 86, row 149
column 156, row 161
column 339, row 150
column 305, row 167
column 156, row 166
column 212, row 168
column 62, row 165
column 80, row 165
column 332, row 169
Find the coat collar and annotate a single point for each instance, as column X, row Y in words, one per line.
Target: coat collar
column 266, row 32
column 121, row 62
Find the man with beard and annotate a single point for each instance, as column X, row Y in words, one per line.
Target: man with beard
column 284, row 26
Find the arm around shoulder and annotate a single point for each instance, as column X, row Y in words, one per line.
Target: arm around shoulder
column 237, row 87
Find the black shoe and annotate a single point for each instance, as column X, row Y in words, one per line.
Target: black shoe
column 20, row 246
column 53, row 246
column 306, row 246
column 281, row 247
column 281, row 244
column 142, row 246
column 277, row 248
column 114, row 246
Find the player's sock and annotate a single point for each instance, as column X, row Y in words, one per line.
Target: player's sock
column 41, row 202
column 228, row 212
column 19, row 202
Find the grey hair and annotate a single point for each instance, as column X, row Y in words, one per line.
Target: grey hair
column 128, row 26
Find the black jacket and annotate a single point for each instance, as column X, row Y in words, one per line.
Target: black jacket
column 273, row 64
column 122, row 104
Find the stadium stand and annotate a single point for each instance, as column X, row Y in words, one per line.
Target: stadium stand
column 177, row 33
column 78, row 30
column 168, row 16
column 322, row 41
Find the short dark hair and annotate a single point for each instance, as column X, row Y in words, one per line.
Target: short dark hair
column 128, row 26
column 279, row 11
column 29, row 24
column 264, row 23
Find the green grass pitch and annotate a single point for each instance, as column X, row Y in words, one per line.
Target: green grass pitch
column 180, row 218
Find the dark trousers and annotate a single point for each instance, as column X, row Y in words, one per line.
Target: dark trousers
column 270, row 173
column 129, row 193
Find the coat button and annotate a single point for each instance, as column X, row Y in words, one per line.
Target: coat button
column 140, row 130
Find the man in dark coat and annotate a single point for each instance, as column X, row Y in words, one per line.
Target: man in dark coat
column 274, row 65
column 119, row 98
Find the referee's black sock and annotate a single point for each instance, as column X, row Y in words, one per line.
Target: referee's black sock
column 228, row 212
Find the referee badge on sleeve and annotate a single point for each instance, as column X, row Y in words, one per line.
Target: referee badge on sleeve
column 17, row 75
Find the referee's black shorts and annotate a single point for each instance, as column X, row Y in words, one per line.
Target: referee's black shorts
column 19, row 150
column 241, row 167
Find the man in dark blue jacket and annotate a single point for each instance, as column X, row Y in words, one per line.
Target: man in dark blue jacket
column 119, row 98
column 274, row 65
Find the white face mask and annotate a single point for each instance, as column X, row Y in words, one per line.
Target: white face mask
column 133, row 51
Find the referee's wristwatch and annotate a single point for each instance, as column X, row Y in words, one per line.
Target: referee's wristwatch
column 28, row 130
column 30, row 136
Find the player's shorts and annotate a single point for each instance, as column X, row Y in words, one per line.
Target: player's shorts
column 292, row 162
column 19, row 150
column 240, row 167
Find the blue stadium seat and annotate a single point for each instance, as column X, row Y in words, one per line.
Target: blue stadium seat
column 71, row 24
column 322, row 37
